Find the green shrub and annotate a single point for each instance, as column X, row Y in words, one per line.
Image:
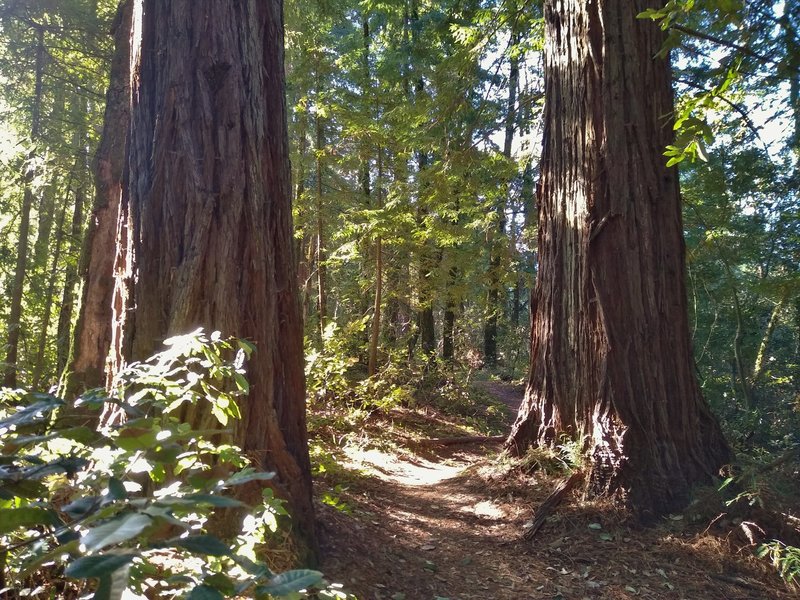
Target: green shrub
column 129, row 505
column 785, row 559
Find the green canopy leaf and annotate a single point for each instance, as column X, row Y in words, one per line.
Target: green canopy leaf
column 290, row 581
column 115, row 531
column 97, row 566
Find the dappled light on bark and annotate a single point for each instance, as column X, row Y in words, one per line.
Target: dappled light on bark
column 611, row 360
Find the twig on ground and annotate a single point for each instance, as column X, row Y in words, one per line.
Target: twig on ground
column 465, row 439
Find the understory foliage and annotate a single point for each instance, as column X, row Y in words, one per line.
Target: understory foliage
column 130, row 499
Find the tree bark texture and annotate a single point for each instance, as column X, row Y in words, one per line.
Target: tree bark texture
column 93, row 330
column 611, row 361
column 208, row 181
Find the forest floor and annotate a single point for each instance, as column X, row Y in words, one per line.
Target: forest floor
column 402, row 519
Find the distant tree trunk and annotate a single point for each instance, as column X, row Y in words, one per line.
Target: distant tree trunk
column 375, row 331
column 761, row 355
column 496, row 237
column 449, row 318
column 611, row 362
column 21, row 269
column 70, row 282
column 738, row 338
column 527, row 194
column 426, row 327
column 91, row 341
column 375, row 326
column 321, row 256
column 49, row 296
column 305, row 243
column 209, row 199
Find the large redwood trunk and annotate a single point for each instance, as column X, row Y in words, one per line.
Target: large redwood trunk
column 209, row 204
column 611, row 361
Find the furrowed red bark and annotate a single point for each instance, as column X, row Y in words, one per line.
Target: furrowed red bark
column 92, row 336
column 611, row 361
column 209, row 228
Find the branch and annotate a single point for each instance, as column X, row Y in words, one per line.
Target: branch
column 721, row 42
column 739, row 109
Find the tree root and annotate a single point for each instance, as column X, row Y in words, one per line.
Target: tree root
column 550, row 504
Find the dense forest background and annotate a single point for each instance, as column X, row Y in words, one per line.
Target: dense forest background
column 415, row 137
column 415, row 134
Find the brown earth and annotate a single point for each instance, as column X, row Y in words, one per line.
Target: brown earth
column 410, row 522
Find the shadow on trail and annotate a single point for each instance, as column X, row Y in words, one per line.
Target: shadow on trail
column 455, row 534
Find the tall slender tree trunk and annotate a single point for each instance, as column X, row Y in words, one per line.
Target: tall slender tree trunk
column 210, row 220
column 20, row 271
column 49, row 296
column 304, row 244
column 426, row 326
column 70, row 281
column 611, row 361
column 449, row 317
column 496, row 238
column 761, row 355
column 321, row 255
column 91, row 340
column 528, row 210
column 375, row 330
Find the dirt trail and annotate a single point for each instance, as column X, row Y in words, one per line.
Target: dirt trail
column 444, row 523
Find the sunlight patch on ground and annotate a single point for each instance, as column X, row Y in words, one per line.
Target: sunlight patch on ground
column 389, row 468
column 487, row 508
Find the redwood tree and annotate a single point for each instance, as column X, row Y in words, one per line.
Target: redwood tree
column 205, row 223
column 611, row 360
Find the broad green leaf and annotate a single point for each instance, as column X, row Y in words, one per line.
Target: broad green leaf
column 80, row 507
column 221, row 582
column 195, row 499
column 252, row 568
column 674, row 160
column 205, row 592
column 112, row 586
column 247, row 475
column 20, row 489
column 115, row 531
column 290, row 581
column 136, row 438
column 29, row 566
column 97, row 566
column 116, row 489
column 95, row 398
column 241, row 382
column 68, row 465
column 200, row 544
column 32, row 413
column 12, row 519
